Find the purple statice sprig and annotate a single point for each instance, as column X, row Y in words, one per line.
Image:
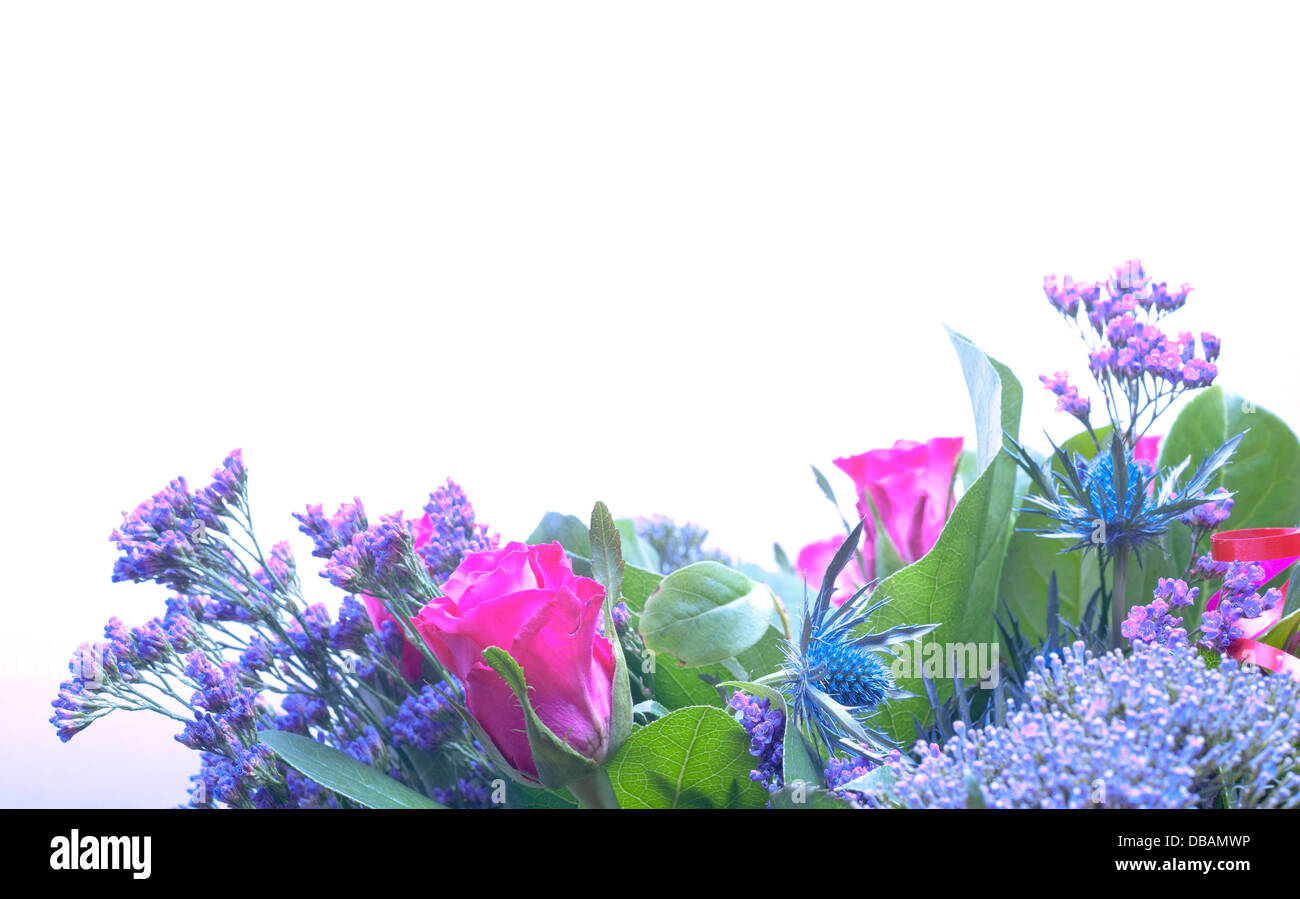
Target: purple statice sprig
column 1154, row 623
column 452, row 531
column 239, row 648
column 331, row 533
column 1140, row 369
column 1152, row 729
column 1239, row 600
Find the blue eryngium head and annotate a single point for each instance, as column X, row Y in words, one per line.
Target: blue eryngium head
column 837, row 673
column 1109, row 503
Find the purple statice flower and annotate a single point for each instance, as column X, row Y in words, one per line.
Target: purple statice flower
column 448, row 533
column 349, row 632
column 329, row 534
column 766, row 728
column 470, row 791
column 622, row 616
column 1067, row 395
column 1209, row 516
column 1139, row 367
column 1210, row 344
column 1153, row 623
column 1154, row 729
column 259, row 656
column 1066, row 296
column 425, row 721
column 227, row 492
column 380, row 560
column 840, row 772
column 367, row 748
column 300, row 712
column 1239, row 600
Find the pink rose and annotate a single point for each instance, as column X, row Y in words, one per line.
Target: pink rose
column 526, row 600
column 412, row 662
column 910, row 485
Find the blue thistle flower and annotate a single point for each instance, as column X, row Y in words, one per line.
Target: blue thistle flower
column 834, row 677
column 1082, row 499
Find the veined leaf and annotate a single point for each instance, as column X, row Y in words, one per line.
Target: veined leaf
column 342, row 773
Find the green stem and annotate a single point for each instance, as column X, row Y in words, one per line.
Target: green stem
column 1119, row 595
column 595, row 790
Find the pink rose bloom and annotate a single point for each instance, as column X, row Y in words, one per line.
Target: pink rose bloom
column 526, row 600
column 412, row 662
column 910, row 485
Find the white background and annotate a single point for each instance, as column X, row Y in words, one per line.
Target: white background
column 661, row 254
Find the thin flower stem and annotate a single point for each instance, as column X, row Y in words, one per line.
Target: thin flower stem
column 1119, row 594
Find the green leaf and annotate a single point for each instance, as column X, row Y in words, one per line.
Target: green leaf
column 607, row 568
column 606, row 552
column 1279, row 634
column 636, row 551
column 695, row 757
column 650, row 709
column 342, row 773
column 876, row 782
column 1265, row 470
column 705, row 613
column 782, row 560
column 955, row 584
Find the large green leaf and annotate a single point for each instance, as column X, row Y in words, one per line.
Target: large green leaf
column 1264, row 471
column 695, row 757
column 955, row 584
column 342, row 773
column 706, row 613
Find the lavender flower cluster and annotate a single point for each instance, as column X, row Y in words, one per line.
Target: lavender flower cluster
column 1154, row 729
column 1139, row 368
column 238, row 632
column 1239, row 599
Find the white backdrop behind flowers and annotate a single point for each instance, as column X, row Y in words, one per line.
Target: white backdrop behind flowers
column 664, row 257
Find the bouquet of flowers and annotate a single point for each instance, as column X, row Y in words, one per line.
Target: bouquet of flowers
column 1105, row 625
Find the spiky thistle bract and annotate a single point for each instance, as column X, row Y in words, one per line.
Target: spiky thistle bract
column 1110, row 502
column 837, row 673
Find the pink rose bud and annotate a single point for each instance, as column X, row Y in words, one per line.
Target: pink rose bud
column 526, row 600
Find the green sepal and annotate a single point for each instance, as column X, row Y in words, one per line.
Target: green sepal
column 558, row 763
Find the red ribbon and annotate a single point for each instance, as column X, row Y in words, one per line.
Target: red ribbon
column 1274, row 550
